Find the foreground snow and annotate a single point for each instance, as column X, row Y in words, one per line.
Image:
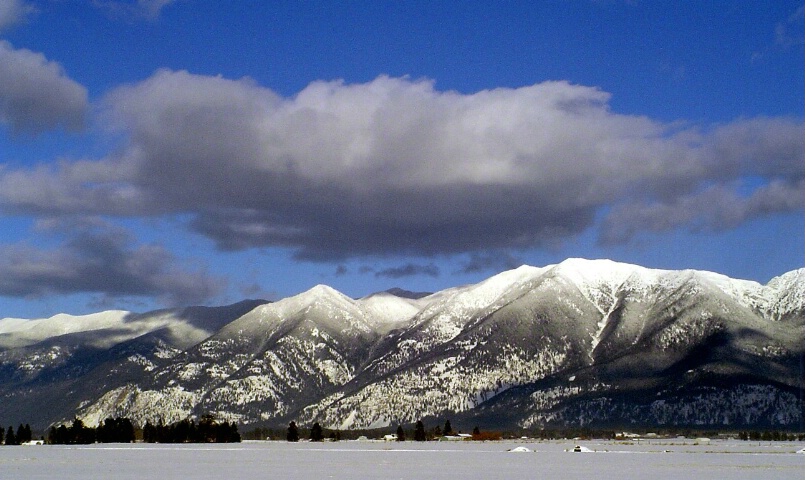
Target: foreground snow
column 659, row 459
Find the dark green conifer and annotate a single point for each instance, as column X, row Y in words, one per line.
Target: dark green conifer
column 149, row 433
column 11, row 439
column 448, row 429
column 293, row 432
column 62, row 436
column 234, row 435
column 316, row 434
column 419, row 431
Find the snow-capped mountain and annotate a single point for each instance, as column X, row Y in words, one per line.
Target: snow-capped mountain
column 583, row 342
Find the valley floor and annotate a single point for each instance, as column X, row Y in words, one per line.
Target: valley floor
column 656, row 459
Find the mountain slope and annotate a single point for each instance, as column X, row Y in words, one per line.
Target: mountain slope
column 607, row 326
column 74, row 362
column 270, row 361
column 584, row 342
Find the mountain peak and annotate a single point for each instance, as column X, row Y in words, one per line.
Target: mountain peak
column 584, row 270
column 322, row 290
column 320, row 355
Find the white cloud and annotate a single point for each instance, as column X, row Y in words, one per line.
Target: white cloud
column 153, row 8
column 13, row 12
column 716, row 208
column 147, row 9
column 98, row 258
column 36, row 94
column 396, row 166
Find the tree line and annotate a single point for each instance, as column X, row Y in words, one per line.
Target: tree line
column 317, row 434
column 79, row 434
column 122, row 430
column 10, row 437
column 207, row 430
column 771, row 436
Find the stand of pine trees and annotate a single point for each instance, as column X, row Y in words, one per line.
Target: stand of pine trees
column 75, row 434
column 115, row 430
column 23, row 435
column 316, row 434
column 768, row 435
column 121, row 430
column 187, row 431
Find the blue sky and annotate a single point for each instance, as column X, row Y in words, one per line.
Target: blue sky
column 158, row 153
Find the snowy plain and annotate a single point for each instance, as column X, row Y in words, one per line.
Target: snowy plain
column 656, row 459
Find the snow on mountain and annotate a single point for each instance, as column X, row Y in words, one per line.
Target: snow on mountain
column 443, row 361
column 787, row 295
column 385, row 312
column 274, row 356
column 19, row 333
column 583, row 339
column 187, row 326
column 447, row 314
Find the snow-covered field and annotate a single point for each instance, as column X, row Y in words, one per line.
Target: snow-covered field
column 658, row 459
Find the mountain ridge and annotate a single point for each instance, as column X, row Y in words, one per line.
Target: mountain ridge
column 528, row 347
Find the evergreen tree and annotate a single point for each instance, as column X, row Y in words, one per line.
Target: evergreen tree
column 126, row 431
column 81, row 434
column 186, row 431
column 316, row 434
column 206, row 429
column 162, row 433
column 419, row 431
column 149, row 433
column 400, row 434
column 476, row 430
column 11, row 439
column 437, row 432
column 115, row 430
column 448, row 429
column 293, row 432
column 234, row 435
column 60, row 436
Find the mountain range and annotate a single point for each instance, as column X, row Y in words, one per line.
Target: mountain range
column 583, row 343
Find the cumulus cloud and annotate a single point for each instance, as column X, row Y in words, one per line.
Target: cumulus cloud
column 409, row 270
column 36, row 94
column 490, row 260
column 716, row 208
column 78, row 187
column 152, row 8
column 147, row 9
column 13, row 12
column 97, row 258
column 395, row 166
